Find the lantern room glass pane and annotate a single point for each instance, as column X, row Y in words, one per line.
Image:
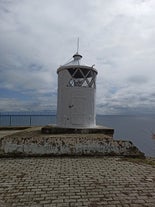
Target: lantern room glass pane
column 82, row 77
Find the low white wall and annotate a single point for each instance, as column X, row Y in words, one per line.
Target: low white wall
column 69, row 146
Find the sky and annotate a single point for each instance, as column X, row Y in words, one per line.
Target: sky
column 118, row 36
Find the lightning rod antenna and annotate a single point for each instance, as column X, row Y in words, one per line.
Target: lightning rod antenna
column 78, row 45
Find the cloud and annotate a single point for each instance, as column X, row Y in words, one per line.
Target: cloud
column 117, row 36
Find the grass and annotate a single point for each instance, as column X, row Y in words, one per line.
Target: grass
column 147, row 160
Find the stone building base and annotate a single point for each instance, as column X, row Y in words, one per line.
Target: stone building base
column 53, row 129
column 31, row 142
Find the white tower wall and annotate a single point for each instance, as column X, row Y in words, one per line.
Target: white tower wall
column 76, row 96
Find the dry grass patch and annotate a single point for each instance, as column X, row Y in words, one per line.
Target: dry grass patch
column 147, row 160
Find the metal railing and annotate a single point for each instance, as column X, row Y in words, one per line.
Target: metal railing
column 26, row 119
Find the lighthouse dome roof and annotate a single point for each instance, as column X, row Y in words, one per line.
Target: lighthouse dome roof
column 76, row 62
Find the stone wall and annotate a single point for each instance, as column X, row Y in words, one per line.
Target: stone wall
column 33, row 143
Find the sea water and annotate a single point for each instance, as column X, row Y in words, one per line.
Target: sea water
column 138, row 129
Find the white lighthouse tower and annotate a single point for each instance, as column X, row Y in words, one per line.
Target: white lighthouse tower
column 76, row 95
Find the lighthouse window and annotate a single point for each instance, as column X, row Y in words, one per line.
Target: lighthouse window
column 82, row 77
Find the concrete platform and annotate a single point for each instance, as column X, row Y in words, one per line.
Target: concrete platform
column 6, row 132
column 53, row 129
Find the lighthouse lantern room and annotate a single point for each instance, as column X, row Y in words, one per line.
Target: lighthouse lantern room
column 76, row 94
